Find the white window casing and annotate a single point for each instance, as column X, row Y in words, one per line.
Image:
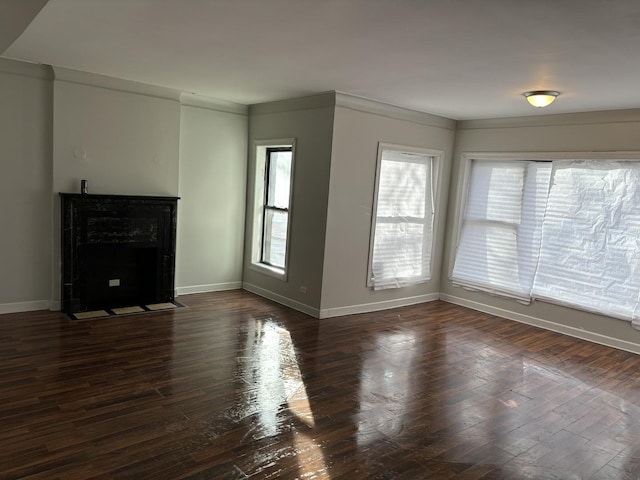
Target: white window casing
column 259, row 209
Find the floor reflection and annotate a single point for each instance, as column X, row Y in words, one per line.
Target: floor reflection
column 429, row 401
column 275, row 391
column 385, row 385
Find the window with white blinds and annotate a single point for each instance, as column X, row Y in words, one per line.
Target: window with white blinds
column 566, row 231
column 500, row 235
column 402, row 227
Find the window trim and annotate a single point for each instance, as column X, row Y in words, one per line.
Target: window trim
column 259, row 152
column 436, row 162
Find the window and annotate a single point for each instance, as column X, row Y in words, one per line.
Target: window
column 564, row 231
column 275, row 219
column 501, row 227
column 272, row 203
column 403, row 212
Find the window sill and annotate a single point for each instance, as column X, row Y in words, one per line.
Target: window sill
column 274, row 272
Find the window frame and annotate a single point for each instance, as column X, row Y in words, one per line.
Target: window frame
column 259, row 205
column 268, row 207
column 436, row 161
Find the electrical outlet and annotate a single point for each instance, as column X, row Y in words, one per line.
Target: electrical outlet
column 303, row 289
column 114, row 282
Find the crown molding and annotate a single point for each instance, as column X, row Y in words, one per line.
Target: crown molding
column 320, row 100
column 111, row 83
column 366, row 105
column 25, row 69
column 209, row 103
column 352, row 102
column 556, row 120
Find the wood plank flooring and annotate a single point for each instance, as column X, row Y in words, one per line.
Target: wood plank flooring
column 235, row 387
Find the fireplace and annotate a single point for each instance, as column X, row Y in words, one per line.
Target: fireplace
column 117, row 251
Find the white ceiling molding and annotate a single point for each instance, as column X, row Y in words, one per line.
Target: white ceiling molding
column 561, row 119
column 320, row 100
column 366, row 105
column 201, row 101
column 85, row 78
column 345, row 100
column 26, row 69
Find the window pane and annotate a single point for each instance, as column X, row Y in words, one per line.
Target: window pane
column 402, row 189
column 279, row 179
column 495, row 192
column 275, row 238
column 488, row 256
column 399, row 252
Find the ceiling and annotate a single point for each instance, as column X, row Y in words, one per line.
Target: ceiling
column 463, row 59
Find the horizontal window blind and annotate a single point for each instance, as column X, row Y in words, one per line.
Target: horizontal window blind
column 590, row 250
column 501, row 227
column 403, row 227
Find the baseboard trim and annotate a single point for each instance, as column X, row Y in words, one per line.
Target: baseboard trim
column 546, row 324
column 24, row 306
column 288, row 302
column 377, row 306
column 212, row 287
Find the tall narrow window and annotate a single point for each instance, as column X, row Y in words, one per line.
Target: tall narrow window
column 271, row 206
column 275, row 218
column 402, row 227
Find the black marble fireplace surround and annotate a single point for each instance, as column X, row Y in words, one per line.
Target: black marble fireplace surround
column 117, row 251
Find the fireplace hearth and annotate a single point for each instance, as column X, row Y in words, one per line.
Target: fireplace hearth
column 117, row 251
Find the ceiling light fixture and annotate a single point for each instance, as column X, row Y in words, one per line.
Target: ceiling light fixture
column 541, row 98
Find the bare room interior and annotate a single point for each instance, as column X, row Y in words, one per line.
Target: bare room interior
column 320, row 240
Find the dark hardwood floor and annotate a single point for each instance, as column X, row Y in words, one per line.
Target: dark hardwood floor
column 235, row 386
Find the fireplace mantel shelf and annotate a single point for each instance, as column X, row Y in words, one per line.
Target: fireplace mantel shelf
column 110, row 196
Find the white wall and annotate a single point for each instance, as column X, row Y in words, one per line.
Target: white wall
column 310, row 121
column 596, row 131
column 358, row 127
column 212, row 188
column 121, row 136
column 25, row 186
